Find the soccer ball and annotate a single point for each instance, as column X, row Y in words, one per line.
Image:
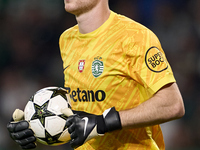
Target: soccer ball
column 43, row 112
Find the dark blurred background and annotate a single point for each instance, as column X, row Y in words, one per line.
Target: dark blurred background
column 30, row 57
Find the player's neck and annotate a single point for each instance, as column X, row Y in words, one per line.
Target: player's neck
column 92, row 20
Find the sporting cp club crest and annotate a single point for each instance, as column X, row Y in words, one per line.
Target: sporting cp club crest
column 81, row 65
column 97, row 67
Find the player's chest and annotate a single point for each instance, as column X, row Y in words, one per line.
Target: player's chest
column 93, row 60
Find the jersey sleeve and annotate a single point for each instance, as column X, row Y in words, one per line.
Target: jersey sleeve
column 148, row 64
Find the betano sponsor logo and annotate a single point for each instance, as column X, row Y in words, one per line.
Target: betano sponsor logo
column 86, row 95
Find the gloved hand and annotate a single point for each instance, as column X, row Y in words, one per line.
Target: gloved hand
column 83, row 126
column 20, row 132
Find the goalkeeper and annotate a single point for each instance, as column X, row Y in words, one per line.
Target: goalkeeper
column 120, row 82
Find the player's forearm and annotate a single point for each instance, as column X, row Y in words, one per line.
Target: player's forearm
column 166, row 105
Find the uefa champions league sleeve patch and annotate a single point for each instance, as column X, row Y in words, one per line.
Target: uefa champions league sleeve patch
column 155, row 60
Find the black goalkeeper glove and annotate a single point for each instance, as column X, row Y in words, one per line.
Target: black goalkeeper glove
column 20, row 132
column 83, row 126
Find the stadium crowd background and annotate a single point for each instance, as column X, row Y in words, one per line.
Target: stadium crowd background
column 30, row 57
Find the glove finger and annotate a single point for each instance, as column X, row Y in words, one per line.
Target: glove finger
column 11, row 126
column 22, row 134
column 69, row 121
column 22, row 125
column 67, row 112
column 73, row 135
column 18, row 115
column 29, row 146
column 71, row 128
column 26, row 141
column 74, row 143
column 17, row 126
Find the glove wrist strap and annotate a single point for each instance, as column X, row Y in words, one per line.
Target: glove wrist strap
column 112, row 119
column 109, row 121
column 101, row 126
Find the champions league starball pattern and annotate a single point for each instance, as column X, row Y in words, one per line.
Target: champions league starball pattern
column 43, row 112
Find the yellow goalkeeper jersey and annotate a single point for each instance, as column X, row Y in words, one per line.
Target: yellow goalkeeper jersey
column 120, row 64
